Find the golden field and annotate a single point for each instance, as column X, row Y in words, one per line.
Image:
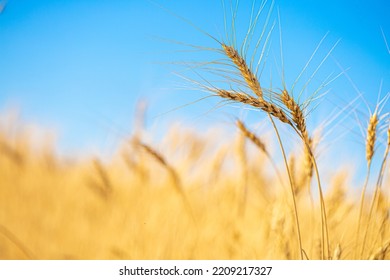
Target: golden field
column 203, row 197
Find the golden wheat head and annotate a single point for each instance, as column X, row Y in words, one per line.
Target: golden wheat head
column 371, row 137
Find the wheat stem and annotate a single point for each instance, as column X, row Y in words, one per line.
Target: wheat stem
column 291, row 187
column 375, row 199
column 370, row 145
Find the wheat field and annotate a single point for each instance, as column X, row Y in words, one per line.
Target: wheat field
column 200, row 199
column 237, row 194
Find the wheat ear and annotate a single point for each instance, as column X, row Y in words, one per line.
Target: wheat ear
column 259, row 144
column 296, row 113
column 371, row 137
column 251, row 136
column 176, row 179
column 245, row 71
column 104, row 185
column 254, row 102
column 160, row 159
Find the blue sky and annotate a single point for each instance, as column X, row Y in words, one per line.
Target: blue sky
column 79, row 66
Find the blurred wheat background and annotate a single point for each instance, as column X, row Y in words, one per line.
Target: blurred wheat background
column 191, row 197
column 245, row 188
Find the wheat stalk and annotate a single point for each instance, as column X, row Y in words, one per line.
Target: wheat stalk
column 251, row 136
column 375, row 199
column 370, row 149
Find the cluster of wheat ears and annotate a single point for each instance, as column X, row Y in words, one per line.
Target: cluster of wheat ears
column 281, row 105
column 126, row 207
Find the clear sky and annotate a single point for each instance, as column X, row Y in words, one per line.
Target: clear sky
column 79, row 66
